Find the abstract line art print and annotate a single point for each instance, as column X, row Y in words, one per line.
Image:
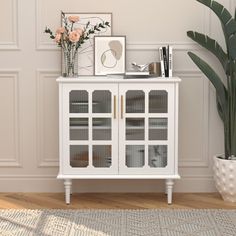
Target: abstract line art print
column 109, row 55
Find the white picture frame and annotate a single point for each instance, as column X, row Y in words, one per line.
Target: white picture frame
column 109, row 55
column 86, row 51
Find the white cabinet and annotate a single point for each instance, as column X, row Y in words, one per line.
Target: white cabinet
column 118, row 129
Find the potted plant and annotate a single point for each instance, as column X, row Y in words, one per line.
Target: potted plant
column 224, row 165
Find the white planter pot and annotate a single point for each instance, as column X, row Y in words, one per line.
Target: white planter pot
column 225, row 178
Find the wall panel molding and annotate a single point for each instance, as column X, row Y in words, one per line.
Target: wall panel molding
column 40, row 44
column 203, row 160
column 30, row 176
column 177, row 46
column 232, row 6
column 130, row 45
column 15, row 160
column 44, row 159
column 14, row 43
column 49, row 183
column 135, row 46
column 150, row 46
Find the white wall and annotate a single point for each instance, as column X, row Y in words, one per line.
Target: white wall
column 30, row 64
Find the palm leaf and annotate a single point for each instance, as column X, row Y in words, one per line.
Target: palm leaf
column 228, row 24
column 215, row 80
column 211, row 45
column 219, row 109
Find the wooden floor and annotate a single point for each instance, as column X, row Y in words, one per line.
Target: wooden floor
column 112, row 201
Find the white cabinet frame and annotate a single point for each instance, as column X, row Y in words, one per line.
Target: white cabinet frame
column 118, row 169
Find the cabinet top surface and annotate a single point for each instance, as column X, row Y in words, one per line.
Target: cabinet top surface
column 105, row 79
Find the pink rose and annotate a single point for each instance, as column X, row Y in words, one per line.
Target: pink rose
column 80, row 31
column 73, row 19
column 57, row 38
column 74, row 36
column 60, row 30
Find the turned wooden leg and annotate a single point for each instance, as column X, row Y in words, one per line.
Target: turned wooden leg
column 71, row 189
column 165, row 190
column 169, row 189
column 67, row 184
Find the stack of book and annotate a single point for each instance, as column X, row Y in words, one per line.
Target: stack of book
column 166, row 60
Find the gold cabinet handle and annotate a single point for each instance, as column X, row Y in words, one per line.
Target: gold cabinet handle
column 122, row 106
column 114, row 101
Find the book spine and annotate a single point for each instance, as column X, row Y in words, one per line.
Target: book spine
column 170, row 61
column 165, row 61
column 162, row 62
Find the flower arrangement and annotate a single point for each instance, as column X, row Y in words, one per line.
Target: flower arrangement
column 70, row 38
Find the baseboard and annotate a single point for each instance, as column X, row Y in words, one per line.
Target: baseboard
column 51, row 184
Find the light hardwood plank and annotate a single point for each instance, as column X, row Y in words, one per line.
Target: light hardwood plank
column 112, row 201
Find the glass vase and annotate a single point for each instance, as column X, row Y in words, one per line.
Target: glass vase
column 70, row 63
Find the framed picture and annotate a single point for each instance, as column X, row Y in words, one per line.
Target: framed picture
column 86, row 51
column 109, row 55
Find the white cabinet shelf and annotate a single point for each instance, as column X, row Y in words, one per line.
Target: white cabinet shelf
column 118, row 129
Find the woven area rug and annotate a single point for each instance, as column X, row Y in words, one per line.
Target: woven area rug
column 118, row 222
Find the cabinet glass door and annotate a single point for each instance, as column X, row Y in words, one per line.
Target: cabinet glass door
column 102, row 129
column 144, row 129
column 92, row 134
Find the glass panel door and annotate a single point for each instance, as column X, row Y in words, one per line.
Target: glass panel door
column 79, row 128
column 135, row 101
column 101, row 101
column 93, row 140
column 134, row 128
column 102, row 156
column 157, row 156
column 135, row 156
column 144, row 128
column 158, row 101
column 157, row 128
column 102, row 129
column 79, row 156
column 79, row 101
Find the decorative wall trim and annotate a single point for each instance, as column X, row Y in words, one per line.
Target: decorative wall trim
column 43, row 159
column 16, row 160
column 42, row 183
column 150, row 46
column 134, row 46
column 55, row 176
column 130, row 45
column 40, row 45
column 197, row 176
column 28, row 176
column 14, row 44
column 232, row 6
column 203, row 161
